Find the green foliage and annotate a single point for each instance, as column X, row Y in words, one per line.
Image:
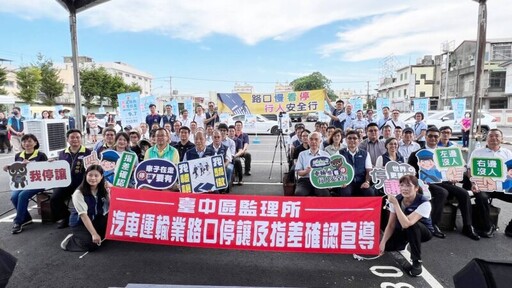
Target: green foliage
column 29, row 81
column 3, row 80
column 51, row 85
column 371, row 104
column 314, row 81
column 98, row 82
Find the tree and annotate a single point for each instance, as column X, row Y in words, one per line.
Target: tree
column 116, row 86
column 93, row 82
column 3, row 80
column 314, row 81
column 51, row 85
column 29, row 81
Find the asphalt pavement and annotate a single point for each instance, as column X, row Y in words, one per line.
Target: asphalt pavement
column 41, row 262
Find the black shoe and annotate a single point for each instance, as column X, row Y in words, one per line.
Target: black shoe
column 508, row 230
column 248, row 173
column 438, row 233
column 16, row 228
column 416, row 268
column 489, row 233
column 27, row 222
column 62, row 224
column 2, row 151
column 469, row 232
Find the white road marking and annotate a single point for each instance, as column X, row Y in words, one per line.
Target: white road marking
column 9, row 218
column 425, row 274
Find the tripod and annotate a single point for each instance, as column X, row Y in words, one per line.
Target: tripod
column 282, row 144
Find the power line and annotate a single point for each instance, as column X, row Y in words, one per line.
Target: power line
column 166, row 78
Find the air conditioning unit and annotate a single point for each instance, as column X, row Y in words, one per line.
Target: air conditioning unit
column 51, row 134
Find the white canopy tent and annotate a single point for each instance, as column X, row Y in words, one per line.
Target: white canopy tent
column 4, row 99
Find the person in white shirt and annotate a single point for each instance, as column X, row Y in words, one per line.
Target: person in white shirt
column 406, row 146
column 302, row 167
column 395, row 121
column 185, row 120
column 199, row 117
column 478, row 186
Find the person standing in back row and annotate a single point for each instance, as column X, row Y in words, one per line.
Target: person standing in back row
column 15, row 126
column 153, row 117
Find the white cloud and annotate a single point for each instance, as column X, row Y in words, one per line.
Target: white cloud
column 380, row 28
column 420, row 28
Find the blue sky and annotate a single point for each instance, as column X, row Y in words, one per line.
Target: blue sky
column 259, row 42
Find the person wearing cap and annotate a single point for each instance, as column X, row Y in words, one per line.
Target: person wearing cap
column 168, row 117
column 128, row 128
column 108, row 163
column 428, row 172
column 184, row 144
column 441, row 191
column 153, row 116
column 395, row 121
column 406, row 146
column 71, row 120
column 493, row 149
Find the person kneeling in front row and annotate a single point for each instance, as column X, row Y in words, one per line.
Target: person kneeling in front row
column 409, row 222
column 88, row 219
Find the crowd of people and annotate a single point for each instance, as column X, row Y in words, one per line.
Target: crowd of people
column 367, row 143
column 364, row 141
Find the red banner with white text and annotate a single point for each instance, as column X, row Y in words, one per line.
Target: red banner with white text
column 264, row 223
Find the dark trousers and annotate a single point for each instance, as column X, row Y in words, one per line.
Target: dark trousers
column 421, row 143
column 82, row 238
column 440, row 192
column 58, row 202
column 483, row 205
column 305, row 188
column 413, row 235
column 465, row 139
column 354, row 189
column 4, row 142
column 237, row 163
column 247, row 161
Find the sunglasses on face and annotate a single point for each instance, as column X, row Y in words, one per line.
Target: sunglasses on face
column 432, row 136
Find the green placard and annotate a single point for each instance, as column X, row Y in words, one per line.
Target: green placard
column 487, row 167
column 449, row 157
column 330, row 172
column 124, row 169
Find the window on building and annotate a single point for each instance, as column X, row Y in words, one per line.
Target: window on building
column 418, row 82
column 405, row 76
column 399, row 93
column 423, row 76
column 498, row 103
column 401, row 76
column 405, row 92
column 502, row 51
column 497, row 80
column 127, row 75
column 422, row 94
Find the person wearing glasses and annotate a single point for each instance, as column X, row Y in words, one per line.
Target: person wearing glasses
column 372, row 144
column 212, row 116
column 360, row 160
column 302, row 167
column 441, row 191
column 493, row 149
column 446, row 134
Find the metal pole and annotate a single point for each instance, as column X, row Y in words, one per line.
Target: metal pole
column 76, row 71
column 446, row 85
column 479, row 67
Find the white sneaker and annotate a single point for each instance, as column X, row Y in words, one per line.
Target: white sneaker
column 65, row 242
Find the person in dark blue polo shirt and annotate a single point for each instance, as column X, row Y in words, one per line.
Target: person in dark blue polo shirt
column 74, row 155
column 153, row 117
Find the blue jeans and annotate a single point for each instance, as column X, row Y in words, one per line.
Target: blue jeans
column 19, row 199
column 229, row 172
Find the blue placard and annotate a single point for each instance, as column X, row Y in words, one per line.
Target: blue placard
column 129, row 108
column 25, row 111
column 155, row 174
column 459, row 109
column 357, row 103
column 381, row 103
column 421, row 105
column 189, row 105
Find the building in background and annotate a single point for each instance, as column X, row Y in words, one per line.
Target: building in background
column 409, row 83
column 461, row 74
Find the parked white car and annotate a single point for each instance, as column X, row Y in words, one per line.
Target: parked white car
column 262, row 125
column 446, row 118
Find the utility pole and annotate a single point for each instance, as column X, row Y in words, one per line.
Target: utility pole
column 367, row 95
column 170, row 87
column 479, row 67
